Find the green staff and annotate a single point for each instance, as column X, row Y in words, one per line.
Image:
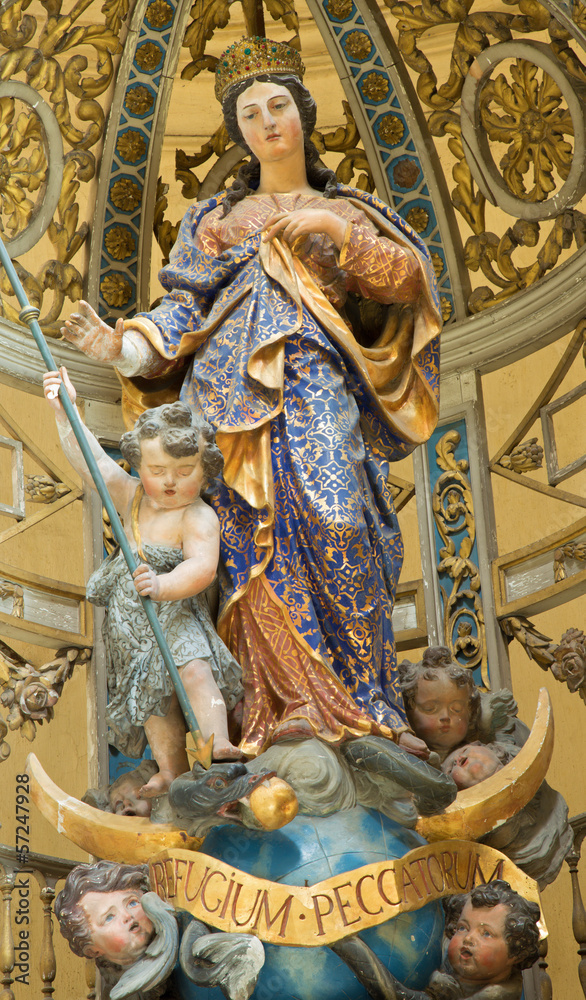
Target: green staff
column 30, row 315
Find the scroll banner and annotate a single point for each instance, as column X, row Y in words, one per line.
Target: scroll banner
column 312, row 916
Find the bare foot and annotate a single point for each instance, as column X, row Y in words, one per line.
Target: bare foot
column 224, row 750
column 157, row 785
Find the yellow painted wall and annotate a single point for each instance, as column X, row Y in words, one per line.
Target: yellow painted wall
column 56, row 548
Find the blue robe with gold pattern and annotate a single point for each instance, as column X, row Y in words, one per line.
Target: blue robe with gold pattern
column 308, row 421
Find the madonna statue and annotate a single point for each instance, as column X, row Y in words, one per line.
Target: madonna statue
column 303, row 319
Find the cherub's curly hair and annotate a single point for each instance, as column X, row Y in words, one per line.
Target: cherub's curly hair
column 437, row 661
column 521, row 930
column 318, row 176
column 181, row 432
column 103, row 876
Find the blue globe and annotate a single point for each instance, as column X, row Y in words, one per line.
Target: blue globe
column 306, row 851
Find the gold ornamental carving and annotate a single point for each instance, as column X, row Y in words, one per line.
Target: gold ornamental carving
column 525, row 457
column 358, row 45
column 527, row 116
column 453, row 512
column 115, row 290
column 138, row 100
column 29, row 693
column 159, row 13
column 70, row 65
column 523, row 114
column 375, row 86
column 126, row 194
column 565, row 659
column 43, row 489
column 572, row 550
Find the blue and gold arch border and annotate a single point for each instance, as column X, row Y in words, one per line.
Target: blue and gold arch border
column 398, row 145
column 121, row 246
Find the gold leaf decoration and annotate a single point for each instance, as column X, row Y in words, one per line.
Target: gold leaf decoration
column 138, row 100
column 358, row 45
column 116, row 12
column 418, row 218
column 131, row 145
column 391, row 129
column 148, row 56
column 159, row 13
column 126, row 194
column 207, row 17
column 120, row 243
column 52, row 55
column 116, row 290
column 340, row 8
column 31, row 693
column 375, row 86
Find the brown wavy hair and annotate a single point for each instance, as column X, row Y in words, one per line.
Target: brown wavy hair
column 103, row 876
column 181, row 432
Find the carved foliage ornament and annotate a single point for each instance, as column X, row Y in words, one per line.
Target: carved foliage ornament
column 29, row 693
column 566, row 659
column 453, row 513
column 42, row 63
column 528, row 116
column 534, row 108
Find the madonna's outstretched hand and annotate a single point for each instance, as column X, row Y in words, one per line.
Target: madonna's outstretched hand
column 92, row 336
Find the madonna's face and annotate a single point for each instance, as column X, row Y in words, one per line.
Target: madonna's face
column 269, row 122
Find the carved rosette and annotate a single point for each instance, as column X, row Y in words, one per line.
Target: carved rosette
column 513, row 111
column 566, row 660
column 29, row 694
column 453, row 512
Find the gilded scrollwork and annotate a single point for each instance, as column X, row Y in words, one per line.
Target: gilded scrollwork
column 453, row 512
column 50, row 57
column 532, row 108
column 23, row 165
column 30, row 693
column 529, row 119
column 208, row 16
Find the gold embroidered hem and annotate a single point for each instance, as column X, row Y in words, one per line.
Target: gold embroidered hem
column 283, row 679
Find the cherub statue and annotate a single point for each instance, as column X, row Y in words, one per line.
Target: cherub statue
column 441, row 700
column 123, row 795
column 475, row 734
column 492, row 935
column 107, row 912
column 539, row 836
column 176, row 534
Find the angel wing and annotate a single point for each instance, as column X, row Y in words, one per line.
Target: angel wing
column 161, row 954
column 230, row 961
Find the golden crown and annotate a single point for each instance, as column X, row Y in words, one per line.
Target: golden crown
column 252, row 56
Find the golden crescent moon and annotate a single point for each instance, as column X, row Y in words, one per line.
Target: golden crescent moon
column 128, row 839
column 478, row 810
